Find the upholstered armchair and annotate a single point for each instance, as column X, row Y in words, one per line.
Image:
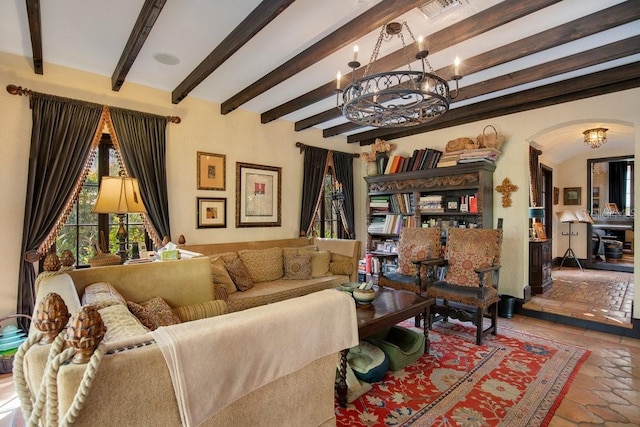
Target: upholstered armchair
column 468, row 290
column 415, row 245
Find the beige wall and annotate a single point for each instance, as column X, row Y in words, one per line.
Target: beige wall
column 238, row 135
column 242, row 138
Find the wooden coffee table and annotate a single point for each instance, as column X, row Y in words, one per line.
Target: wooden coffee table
column 389, row 308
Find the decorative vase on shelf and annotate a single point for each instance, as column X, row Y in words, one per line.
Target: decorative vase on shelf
column 372, row 168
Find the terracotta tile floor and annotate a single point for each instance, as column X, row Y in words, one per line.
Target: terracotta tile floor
column 605, row 391
column 595, row 295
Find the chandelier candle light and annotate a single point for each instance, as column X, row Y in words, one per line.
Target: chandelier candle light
column 396, row 98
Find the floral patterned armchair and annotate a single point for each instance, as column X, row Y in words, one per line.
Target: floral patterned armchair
column 470, row 270
column 415, row 245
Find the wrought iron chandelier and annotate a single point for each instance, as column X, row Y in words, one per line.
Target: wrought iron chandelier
column 594, row 138
column 396, row 98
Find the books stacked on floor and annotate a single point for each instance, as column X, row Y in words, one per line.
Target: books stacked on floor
column 421, row 159
column 452, row 158
column 431, row 203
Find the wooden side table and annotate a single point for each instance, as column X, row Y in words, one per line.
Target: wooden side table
column 540, row 266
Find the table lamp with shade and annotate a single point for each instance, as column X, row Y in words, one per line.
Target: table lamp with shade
column 535, row 213
column 119, row 195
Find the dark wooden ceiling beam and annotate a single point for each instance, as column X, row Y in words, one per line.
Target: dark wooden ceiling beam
column 599, row 55
column 35, row 32
column 262, row 15
column 571, row 31
column 468, row 28
column 613, row 80
column 146, row 19
column 373, row 18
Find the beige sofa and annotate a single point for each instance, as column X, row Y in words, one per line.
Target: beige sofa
column 235, row 354
column 334, row 262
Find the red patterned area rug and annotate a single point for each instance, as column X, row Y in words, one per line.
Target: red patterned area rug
column 513, row 379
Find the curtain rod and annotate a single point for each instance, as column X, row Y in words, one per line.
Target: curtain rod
column 20, row 91
column 302, row 146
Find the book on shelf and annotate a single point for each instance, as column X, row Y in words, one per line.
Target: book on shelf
column 420, row 159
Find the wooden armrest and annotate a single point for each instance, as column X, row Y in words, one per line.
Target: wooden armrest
column 487, row 269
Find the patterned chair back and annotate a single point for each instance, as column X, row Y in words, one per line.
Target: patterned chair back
column 414, row 244
column 468, row 249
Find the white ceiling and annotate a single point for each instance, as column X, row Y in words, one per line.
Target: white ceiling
column 90, row 35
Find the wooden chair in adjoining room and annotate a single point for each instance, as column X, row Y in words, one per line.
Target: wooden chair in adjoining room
column 468, row 290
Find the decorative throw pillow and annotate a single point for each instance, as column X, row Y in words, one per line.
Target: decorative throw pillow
column 220, row 292
column 220, row 275
column 239, row 274
column 154, row 313
column 142, row 315
column 341, row 268
column 320, row 261
column 120, row 323
column 201, row 310
column 264, row 265
column 226, row 256
column 101, row 295
column 297, row 266
column 461, row 268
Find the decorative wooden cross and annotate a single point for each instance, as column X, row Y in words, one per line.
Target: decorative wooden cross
column 506, row 188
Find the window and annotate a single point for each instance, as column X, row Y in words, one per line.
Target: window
column 327, row 222
column 83, row 228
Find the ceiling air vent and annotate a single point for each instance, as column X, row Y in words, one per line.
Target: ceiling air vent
column 433, row 8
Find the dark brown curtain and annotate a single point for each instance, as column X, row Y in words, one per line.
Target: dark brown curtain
column 60, row 144
column 141, row 139
column 313, row 177
column 618, row 184
column 343, row 163
column 535, row 177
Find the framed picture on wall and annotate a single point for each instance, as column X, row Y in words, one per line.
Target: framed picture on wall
column 211, row 212
column 572, row 195
column 258, row 198
column 211, row 171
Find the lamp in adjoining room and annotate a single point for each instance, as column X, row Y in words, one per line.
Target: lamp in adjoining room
column 399, row 98
column 536, row 213
column 594, row 138
column 119, row 195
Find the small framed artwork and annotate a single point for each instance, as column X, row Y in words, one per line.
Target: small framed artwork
column 572, row 195
column 258, row 195
column 212, row 212
column 596, row 192
column 451, row 204
column 211, row 171
column 540, row 233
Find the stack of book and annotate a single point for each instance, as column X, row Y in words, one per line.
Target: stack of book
column 431, row 203
column 452, row 158
column 379, row 204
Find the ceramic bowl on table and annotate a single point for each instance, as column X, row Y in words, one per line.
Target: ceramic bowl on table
column 349, row 287
column 364, row 296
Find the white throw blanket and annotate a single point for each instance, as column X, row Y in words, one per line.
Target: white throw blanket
column 213, row 362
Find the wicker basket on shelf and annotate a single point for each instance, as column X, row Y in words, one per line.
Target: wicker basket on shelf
column 6, row 361
column 490, row 139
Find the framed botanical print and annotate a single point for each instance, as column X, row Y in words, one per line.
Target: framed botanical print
column 212, row 212
column 258, row 195
column 211, row 171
